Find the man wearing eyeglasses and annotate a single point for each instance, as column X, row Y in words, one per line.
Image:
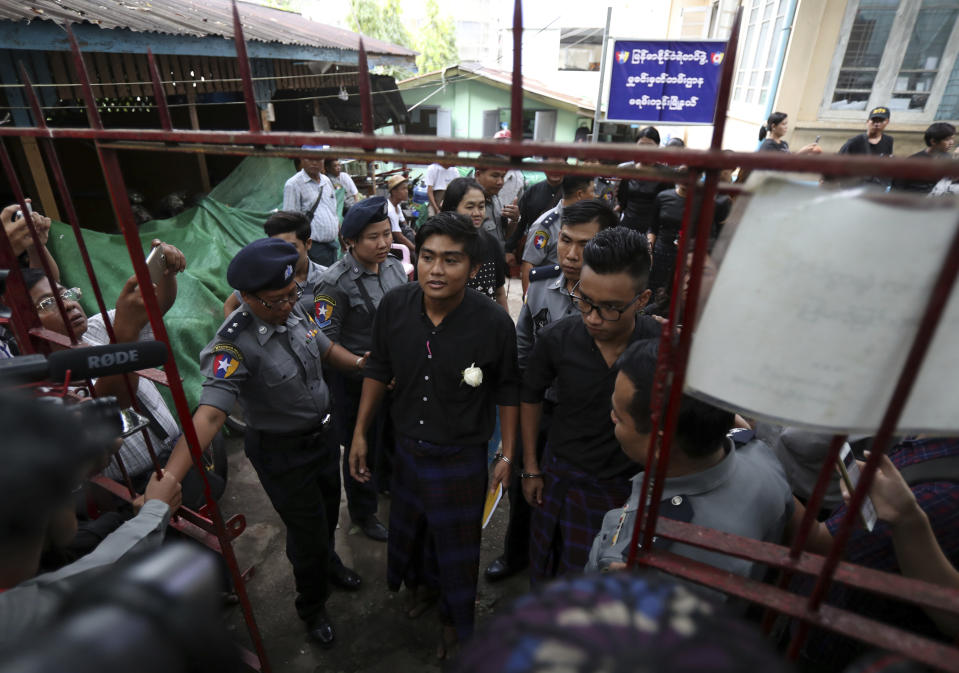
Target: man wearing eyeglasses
column 547, row 301
column 583, row 473
column 269, row 355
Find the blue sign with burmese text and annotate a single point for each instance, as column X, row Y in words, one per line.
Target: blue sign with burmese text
column 665, row 81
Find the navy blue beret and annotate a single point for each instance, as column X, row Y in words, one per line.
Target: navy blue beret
column 264, row 264
column 362, row 213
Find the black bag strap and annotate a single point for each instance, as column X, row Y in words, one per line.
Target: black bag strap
column 309, row 213
column 945, row 468
column 366, row 296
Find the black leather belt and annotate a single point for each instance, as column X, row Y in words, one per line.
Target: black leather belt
column 315, row 430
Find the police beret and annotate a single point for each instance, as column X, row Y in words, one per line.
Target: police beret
column 367, row 211
column 264, row 264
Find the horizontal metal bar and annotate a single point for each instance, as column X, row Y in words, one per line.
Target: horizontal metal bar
column 846, row 623
column 879, row 582
column 846, row 165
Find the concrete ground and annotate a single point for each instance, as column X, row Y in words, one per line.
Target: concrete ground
column 372, row 630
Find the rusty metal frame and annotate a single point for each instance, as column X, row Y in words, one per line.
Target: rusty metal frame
column 674, row 348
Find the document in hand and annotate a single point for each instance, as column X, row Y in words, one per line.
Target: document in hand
column 817, row 303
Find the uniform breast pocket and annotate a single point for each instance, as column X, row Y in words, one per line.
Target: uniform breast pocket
column 277, row 373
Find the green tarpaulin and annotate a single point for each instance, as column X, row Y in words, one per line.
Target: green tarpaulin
column 209, row 235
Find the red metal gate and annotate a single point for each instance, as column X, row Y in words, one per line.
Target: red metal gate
column 673, row 354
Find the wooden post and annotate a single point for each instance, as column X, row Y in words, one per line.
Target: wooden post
column 44, row 195
column 265, row 119
column 195, row 125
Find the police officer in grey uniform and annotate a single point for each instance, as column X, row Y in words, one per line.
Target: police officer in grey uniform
column 294, row 228
column 346, row 299
column 543, row 234
column 269, row 355
column 547, row 301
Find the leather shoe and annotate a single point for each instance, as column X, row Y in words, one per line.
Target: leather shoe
column 372, row 528
column 499, row 569
column 344, row 578
column 320, row 629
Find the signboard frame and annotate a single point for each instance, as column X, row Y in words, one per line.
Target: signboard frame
column 714, row 46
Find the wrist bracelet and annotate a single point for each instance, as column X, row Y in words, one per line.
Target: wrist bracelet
column 500, row 456
column 530, row 475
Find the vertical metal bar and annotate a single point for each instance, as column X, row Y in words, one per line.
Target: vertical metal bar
column 159, row 96
column 934, row 310
column 243, row 63
column 516, row 90
column 28, row 220
column 688, row 316
column 90, row 101
column 598, row 112
column 38, row 119
column 366, row 99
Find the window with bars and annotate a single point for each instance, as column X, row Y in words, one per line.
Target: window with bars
column 763, row 22
column 899, row 54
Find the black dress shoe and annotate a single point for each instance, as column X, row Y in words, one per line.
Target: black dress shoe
column 320, row 629
column 499, row 569
column 372, row 528
column 344, row 578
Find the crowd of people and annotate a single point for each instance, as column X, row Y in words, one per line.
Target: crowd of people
column 352, row 371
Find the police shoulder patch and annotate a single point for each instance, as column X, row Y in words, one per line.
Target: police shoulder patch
column 540, row 239
column 325, row 304
column 229, row 349
column 236, row 324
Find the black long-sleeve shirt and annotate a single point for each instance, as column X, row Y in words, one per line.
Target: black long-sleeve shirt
column 431, row 402
column 582, row 431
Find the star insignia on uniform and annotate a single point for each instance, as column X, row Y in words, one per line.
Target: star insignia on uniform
column 224, row 365
column 235, row 324
column 231, row 329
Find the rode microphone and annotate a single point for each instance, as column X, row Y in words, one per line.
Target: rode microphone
column 86, row 362
column 97, row 361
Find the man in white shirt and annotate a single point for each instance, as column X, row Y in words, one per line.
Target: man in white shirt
column 398, row 187
column 341, row 180
column 311, row 190
column 437, row 179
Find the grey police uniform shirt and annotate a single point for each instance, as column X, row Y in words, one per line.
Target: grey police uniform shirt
column 313, row 274
column 494, row 218
column 541, row 237
column 745, row 494
column 275, row 371
column 546, row 302
column 341, row 310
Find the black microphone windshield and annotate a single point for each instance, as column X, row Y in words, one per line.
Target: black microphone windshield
column 96, row 361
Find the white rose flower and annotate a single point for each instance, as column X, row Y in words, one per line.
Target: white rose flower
column 473, row 375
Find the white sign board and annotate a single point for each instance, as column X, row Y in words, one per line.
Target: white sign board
column 816, row 305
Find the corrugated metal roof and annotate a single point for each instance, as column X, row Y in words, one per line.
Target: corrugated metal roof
column 197, row 19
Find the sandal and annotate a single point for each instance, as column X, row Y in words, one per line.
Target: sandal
column 449, row 644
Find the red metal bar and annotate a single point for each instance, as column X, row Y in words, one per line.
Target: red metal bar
column 366, row 99
column 875, row 633
column 243, row 64
column 845, row 165
column 932, row 315
column 159, row 95
column 516, row 88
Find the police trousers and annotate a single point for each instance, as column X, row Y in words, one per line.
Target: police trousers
column 300, row 474
column 360, row 496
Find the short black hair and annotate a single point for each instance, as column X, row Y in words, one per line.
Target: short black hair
column 573, row 183
column 588, row 210
column 284, row 221
column 456, row 190
column 459, row 228
column 700, row 427
column 938, row 132
column 31, row 277
column 648, row 132
column 619, row 250
column 495, row 157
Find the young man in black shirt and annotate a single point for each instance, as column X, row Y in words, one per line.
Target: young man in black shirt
column 583, row 473
column 874, row 141
column 451, row 355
